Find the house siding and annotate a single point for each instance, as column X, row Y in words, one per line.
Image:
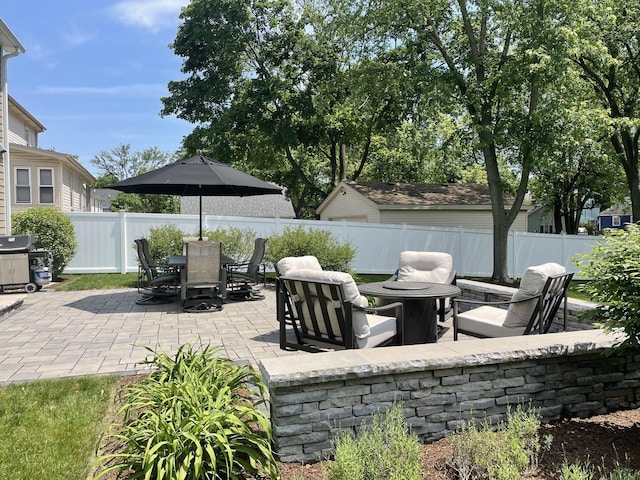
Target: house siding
column 352, row 207
column 20, row 160
column 473, row 219
column 20, row 133
column 3, row 223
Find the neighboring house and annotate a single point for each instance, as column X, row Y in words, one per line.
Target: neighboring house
column 615, row 217
column 43, row 178
column 10, row 47
column 264, row 206
column 540, row 220
column 436, row 205
column 101, row 198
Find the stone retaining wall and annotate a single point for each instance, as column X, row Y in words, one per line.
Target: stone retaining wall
column 315, row 396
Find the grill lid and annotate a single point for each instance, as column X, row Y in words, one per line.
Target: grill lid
column 17, row 243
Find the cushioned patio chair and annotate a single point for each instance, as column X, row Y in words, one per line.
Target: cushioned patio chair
column 157, row 283
column 327, row 311
column 531, row 309
column 432, row 267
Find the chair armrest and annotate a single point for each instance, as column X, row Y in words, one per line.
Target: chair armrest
column 500, row 302
column 383, row 308
column 451, row 279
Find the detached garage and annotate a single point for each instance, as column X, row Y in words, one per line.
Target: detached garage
column 426, row 204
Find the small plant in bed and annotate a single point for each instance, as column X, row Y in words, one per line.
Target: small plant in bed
column 196, row 416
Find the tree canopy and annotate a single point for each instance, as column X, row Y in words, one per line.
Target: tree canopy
column 121, row 163
column 309, row 94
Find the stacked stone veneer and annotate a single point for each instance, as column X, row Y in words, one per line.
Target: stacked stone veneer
column 315, row 396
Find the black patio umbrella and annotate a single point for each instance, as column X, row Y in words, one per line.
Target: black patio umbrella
column 199, row 176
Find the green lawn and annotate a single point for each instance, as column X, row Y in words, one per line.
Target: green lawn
column 98, row 281
column 51, row 428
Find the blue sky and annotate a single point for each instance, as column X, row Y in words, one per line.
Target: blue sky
column 94, row 71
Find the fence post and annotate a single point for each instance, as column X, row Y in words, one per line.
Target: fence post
column 460, row 254
column 123, row 241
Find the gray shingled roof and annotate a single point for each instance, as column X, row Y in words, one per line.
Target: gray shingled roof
column 425, row 194
column 267, row 206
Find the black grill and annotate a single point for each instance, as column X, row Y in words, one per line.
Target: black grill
column 17, row 244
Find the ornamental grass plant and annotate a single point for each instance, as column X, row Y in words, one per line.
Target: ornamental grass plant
column 196, row 416
column 384, row 450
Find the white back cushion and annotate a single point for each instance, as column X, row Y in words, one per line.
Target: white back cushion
column 435, row 267
column 287, row 264
column 532, row 283
column 351, row 293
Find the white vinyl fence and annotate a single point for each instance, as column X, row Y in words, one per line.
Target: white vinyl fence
column 106, row 242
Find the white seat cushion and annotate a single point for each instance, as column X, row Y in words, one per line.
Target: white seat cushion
column 487, row 321
column 532, row 283
column 381, row 329
column 435, row 267
column 287, row 264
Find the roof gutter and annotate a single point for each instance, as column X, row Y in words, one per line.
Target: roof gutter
column 14, row 48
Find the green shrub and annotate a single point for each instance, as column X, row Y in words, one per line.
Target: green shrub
column 297, row 241
column 194, row 417
column 503, row 454
column 53, row 231
column 614, row 269
column 236, row 243
column 165, row 241
column 384, row 450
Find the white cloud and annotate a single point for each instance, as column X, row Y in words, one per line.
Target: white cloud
column 76, row 38
column 149, row 14
column 137, row 90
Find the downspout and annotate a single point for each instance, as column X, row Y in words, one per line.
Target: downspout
column 5, row 138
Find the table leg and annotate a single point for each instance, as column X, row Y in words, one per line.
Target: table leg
column 420, row 324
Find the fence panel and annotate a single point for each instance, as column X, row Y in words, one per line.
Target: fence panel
column 106, row 242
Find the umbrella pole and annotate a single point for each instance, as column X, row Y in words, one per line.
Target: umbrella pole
column 200, row 238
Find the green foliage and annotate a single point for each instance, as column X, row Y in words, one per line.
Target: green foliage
column 503, row 454
column 584, row 471
column 576, row 471
column 613, row 266
column 53, row 231
column 196, row 416
column 121, row 163
column 236, row 243
column 384, row 450
column 165, row 241
column 145, row 203
column 298, row 241
column 51, row 427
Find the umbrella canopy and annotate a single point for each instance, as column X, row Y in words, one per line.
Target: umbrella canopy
column 197, row 176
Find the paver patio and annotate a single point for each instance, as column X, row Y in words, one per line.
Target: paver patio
column 56, row 334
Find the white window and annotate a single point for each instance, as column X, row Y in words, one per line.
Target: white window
column 23, row 185
column 615, row 221
column 45, row 186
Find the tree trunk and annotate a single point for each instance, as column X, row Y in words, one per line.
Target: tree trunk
column 500, row 221
column 625, row 145
column 557, row 217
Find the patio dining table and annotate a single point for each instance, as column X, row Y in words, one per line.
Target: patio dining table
column 419, row 305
